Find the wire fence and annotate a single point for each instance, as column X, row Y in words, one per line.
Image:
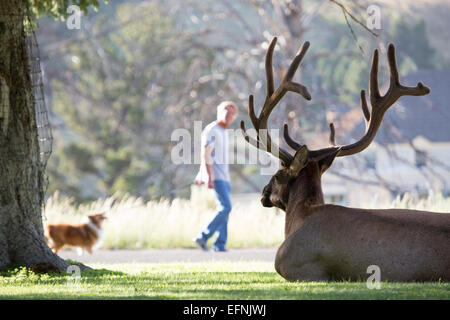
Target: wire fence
column 44, row 129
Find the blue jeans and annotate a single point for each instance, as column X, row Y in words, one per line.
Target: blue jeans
column 220, row 221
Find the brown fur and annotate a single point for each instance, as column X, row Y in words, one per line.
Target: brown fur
column 82, row 235
column 328, row 242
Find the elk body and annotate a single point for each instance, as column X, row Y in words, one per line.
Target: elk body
column 329, row 242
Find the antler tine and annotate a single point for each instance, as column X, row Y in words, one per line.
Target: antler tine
column 393, row 65
column 418, row 90
column 251, row 112
column 249, row 139
column 316, row 154
column 374, row 92
column 269, row 68
column 380, row 104
column 296, row 62
column 254, row 119
column 331, row 140
column 273, row 96
column 291, row 143
column 262, row 137
column 285, row 157
column 364, row 107
column 312, row 153
column 286, row 84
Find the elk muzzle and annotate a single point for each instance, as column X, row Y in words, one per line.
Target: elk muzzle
column 265, row 197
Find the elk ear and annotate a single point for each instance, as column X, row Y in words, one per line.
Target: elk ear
column 300, row 161
column 326, row 161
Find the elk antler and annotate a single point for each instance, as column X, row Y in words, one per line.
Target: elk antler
column 379, row 103
column 264, row 140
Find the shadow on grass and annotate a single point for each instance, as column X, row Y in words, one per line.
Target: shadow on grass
column 22, row 272
column 162, row 284
column 238, row 294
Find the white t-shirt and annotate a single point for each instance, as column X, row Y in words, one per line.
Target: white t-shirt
column 216, row 137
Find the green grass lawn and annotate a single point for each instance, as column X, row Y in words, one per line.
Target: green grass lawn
column 211, row 280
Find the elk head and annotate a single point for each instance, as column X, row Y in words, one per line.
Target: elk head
column 305, row 167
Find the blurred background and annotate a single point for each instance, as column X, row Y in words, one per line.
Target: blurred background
column 137, row 70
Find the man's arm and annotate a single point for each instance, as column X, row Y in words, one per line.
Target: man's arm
column 209, row 166
column 206, row 161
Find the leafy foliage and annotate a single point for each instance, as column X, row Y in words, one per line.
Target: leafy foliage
column 116, row 96
column 58, row 8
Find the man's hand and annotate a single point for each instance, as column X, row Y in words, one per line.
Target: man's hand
column 210, row 184
column 198, row 181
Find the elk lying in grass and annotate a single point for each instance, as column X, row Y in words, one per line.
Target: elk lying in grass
column 330, row 242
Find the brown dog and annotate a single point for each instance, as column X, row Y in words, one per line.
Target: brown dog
column 85, row 236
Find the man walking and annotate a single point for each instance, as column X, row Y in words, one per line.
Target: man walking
column 215, row 173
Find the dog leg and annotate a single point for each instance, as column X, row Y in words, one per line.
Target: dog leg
column 56, row 248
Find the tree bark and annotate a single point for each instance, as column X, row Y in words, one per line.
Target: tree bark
column 21, row 172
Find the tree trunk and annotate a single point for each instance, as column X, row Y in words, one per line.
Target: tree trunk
column 21, row 172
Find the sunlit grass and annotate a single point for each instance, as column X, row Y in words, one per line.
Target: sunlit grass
column 133, row 223
column 211, row 280
column 435, row 201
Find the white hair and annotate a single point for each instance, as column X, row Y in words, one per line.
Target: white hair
column 221, row 107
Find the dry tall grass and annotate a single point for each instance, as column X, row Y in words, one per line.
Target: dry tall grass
column 133, row 223
column 435, row 202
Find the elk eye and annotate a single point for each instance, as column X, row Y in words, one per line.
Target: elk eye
column 281, row 179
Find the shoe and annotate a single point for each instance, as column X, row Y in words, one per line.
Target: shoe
column 218, row 249
column 201, row 244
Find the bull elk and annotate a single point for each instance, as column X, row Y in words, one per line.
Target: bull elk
column 329, row 242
